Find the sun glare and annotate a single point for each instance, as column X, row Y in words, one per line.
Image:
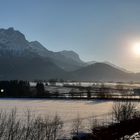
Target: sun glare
column 136, row 48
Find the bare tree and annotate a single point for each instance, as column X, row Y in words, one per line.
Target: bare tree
column 76, row 125
column 123, row 111
column 52, row 127
column 30, row 127
column 12, row 125
column 3, row 122
column 92, row 123
column 57, row 125
column 27, row 131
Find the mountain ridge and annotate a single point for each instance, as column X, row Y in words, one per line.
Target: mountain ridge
column 21, row 59
column 102, row 72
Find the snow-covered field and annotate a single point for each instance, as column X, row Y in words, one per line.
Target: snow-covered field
column 66, row 109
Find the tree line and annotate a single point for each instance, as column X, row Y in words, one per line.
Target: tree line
column 17, row 88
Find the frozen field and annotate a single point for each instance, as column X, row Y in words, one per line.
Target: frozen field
column 66, row 109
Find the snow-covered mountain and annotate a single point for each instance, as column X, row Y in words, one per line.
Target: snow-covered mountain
column 14, row 43
column 72, row 55
column 21, row 59
column 67, row 60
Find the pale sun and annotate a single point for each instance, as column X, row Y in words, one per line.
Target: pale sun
column 136, row 48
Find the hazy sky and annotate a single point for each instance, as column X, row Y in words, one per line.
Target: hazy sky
column 100, row 30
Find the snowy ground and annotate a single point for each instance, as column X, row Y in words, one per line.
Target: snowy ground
column 66, row 109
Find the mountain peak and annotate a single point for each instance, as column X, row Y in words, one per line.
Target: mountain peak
column 11, row 33
column 37, row 44
column 12, row 40
column 38, row 48
column 11, row 29
column 72, row 55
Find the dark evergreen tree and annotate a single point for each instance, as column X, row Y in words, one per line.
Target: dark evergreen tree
column 14, row 88
column 40, row 90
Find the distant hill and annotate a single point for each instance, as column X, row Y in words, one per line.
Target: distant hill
column 102, row 72
column 117, row 67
